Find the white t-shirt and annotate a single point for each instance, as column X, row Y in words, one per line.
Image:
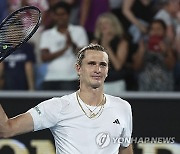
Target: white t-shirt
column 75, row 133
column 63, row 67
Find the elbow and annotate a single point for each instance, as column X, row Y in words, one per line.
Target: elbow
column 137, row 65
column 44, row 59
column 6, row 134
column 125, row 12
column 45, row 56
column 6, row 131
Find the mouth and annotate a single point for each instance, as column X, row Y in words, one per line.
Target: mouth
column 96, row 77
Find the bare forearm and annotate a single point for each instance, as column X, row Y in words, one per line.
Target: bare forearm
column 84, row 11
column 138, row 57
column 169, row 59
column 126, row 8
column 47, row 56
column 119, row 59
column 115, row 62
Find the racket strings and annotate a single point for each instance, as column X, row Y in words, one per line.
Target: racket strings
column 18, row 27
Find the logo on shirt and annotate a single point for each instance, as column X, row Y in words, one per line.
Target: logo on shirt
column 103, row 139
column 37, row 109
column 116, row 122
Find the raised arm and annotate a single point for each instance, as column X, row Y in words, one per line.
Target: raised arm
column 85, row 6
column 119, row 59
column 126, row 9
column 20, row 124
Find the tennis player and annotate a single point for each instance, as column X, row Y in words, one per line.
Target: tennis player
column 84, row 122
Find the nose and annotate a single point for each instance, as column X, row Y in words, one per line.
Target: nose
column 97, row 68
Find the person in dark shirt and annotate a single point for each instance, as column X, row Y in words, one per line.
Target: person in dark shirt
column 16, row 71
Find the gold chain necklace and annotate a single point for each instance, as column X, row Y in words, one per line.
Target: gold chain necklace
column 92, row 114
column 96, row 106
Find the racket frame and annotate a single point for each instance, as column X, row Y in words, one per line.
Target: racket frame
column 27, row 37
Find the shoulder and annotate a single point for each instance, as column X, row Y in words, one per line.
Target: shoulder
column 67, row 101
column 76, row 28
column 52, row 103
column 57, row 104
column 118, row 103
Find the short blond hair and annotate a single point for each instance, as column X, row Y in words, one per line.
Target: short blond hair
column 117, row 27
column 92, row 46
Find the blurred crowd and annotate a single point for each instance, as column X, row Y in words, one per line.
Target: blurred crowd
column 142, row 38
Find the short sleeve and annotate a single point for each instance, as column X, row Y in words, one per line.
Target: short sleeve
column 46, row 114
column 127, row 132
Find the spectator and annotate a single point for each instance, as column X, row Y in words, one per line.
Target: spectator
column 109, row 33
column 17, row 70
column 58, row 47
column 89, row 12
column 168, row 14
column 73, row 19
column 138, row 15
column 134, row 15
column 155, row 60
column 75, row 7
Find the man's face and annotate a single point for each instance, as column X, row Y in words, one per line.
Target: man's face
column 94, row 69
column 61, row 17
column 157, row 30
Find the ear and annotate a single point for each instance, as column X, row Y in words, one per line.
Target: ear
column 78, row 67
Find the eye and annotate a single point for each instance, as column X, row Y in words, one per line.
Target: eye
column 103, row 64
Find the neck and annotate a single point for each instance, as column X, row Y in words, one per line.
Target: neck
column 91, row 96
column 62, row 29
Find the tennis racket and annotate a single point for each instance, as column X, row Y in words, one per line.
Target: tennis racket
column 18, row 28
